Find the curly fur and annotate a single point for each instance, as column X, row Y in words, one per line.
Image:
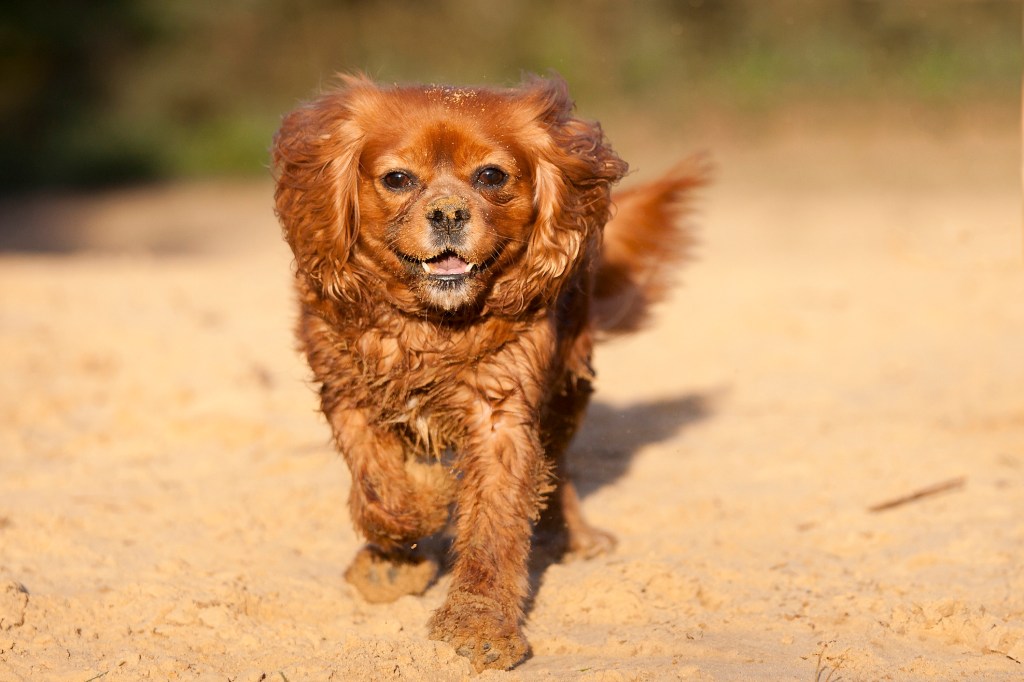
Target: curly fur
column 491, row 364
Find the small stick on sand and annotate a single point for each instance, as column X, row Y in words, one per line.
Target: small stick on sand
column 945, row 486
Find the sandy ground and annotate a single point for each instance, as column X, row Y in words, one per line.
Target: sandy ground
column 852, row 332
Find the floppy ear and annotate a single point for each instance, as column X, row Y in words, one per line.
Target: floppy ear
column 574, row 169
column 316, row 166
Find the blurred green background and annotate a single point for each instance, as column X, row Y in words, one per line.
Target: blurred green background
column 131, row 90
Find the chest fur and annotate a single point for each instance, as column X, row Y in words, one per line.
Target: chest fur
column 413, row 377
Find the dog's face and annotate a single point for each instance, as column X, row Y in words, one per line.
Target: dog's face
column 446, row 203
column 442, row 198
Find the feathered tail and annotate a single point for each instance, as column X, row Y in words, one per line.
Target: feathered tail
column 645, row 242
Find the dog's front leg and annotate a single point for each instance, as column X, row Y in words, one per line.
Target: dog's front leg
column 391, row 509
column 503, row 475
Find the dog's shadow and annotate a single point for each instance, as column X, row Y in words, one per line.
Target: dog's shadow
column 607, row 443
column 611, row 436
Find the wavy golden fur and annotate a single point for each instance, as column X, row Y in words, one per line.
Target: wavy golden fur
column 455, row 261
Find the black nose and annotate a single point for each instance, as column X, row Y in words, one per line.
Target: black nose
column 448, row 217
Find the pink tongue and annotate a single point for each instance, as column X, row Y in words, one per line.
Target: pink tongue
column 449, row 265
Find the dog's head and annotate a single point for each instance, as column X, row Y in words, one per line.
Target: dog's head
column 442, row 198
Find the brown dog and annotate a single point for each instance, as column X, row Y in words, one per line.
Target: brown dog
column 454, row 266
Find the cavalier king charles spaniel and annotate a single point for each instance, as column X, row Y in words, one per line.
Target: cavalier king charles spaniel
column 458, row 252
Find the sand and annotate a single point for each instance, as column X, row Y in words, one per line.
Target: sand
column 852, row 332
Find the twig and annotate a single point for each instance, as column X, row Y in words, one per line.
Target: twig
column 945, row 486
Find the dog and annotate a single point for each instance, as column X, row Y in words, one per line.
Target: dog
column 456, row 259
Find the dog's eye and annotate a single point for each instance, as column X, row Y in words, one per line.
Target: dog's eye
column 491, row 177
column 398, row 180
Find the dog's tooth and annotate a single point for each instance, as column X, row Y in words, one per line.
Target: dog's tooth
column 426, row 268
column 470, row 266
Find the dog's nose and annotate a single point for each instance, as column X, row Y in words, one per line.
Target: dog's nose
column 448, row 215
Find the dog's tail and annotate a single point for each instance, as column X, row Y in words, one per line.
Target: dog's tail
column 645, row 242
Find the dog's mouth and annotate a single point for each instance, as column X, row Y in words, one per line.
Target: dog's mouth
column 446, row 266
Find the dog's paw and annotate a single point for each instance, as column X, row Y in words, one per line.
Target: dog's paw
column 383, row 577
column 478, row 628
column 588, row 542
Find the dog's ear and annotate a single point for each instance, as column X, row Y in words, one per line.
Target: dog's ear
column 574, row 169
column 316, row 166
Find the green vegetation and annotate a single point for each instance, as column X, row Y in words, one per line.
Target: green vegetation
column 116, row 90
